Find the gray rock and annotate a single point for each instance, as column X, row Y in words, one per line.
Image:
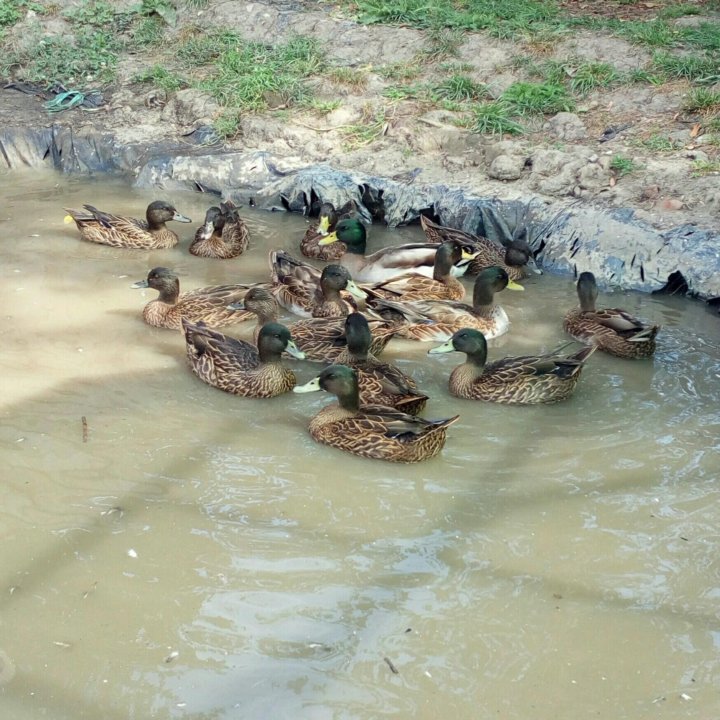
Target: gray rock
column 566, row 126
column 190, row 108
column 506, row 167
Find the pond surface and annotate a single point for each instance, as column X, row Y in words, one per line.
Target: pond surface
column 194, row 554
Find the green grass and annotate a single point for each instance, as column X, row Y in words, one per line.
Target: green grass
column 659, row 143
column 593, row 76
column 398, row 71
column 672, row 12
column 525, row 98
column 703, row 99
column 355, row 78
column 148, row 31
column 443, row 42
column 688, row 67
column 162, row 78
column 458, row 88
column 323, row 107
column 366, row 132
column 705, row 167
column 250, row 76
column 622, row 165
column 493, row 118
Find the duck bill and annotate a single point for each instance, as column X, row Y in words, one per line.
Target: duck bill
column 328, row 239
column 296, row 352
column 324, row 225
column 468, row 255
column 239, row 305
column 512, row 285
column 181, row 218
column 308, row 387
column 446, row 347
column 140, row 284
column 459, row 270
column 355, row 291
column 533, row 267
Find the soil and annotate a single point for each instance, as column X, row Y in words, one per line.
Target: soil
column 563, row 157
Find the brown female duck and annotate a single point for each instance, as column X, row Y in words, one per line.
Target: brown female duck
column 224, row 235
column 372, row 431
column 612, row 330
column 119, row 231
column 209, row 304
column 237, row 367
column 527, row 380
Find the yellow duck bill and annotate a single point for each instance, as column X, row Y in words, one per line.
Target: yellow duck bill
column 308, row 387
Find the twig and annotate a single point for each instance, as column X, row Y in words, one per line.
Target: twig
column 84, row 429
column 389, row 662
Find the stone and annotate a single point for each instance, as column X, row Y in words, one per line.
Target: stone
column 566, row 126
column 191, row 107
column 504, row 147
column 506, row 167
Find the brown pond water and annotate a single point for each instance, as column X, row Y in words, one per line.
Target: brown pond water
column 199, row 556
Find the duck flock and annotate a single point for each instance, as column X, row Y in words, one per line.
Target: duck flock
column 351, row 309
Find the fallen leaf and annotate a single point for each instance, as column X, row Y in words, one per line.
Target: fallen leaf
column 695, row 130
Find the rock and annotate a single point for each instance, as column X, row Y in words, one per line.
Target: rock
column 670, row 204
column 504, row 147
column 566, row 126
column 593, row 177
column 191, row 107
column 548, row 162
column 506, row 167
column 650, row 192
column 697, row 155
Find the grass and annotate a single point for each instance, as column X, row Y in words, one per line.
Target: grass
column 706, row 167
column 398, row 71
column 703, row 100
column 525, row 98
column 493, row 118
column 161, row 78
column 622, row 165
column 660, row 143
column 372, row 127
column 593, row 76
column 323, row 107
column 355, row 78
column 458, row 88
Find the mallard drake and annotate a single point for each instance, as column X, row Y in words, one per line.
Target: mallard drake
column 297, row 287
column 516, row 259
column 150, row 234
column 237, row 367
column 612, row 330
column 372, row 431
column 441, row 286
column 380, row 383
column 223, row 235
column 385, row 263
column 437, row 320
column 209, row 304
column 320, row 339
column 526, row 380
column 328, row 219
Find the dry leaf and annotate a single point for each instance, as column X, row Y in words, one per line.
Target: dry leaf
column 695, row 130
column 613, row 180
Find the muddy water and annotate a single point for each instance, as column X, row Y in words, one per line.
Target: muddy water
column 193, row 554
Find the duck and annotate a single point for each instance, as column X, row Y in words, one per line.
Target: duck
column 380, row 383
column 437, row 320
column 320, row 339
column 328, row 219
column 516, row 258
column 525, row 380
column 209, row 304
column 223, row 235
column 128, row 232
column 237, row 367
column 441, row 286
column 385, row 263
column 305, row 291
column 371, row 431
column 612, row 330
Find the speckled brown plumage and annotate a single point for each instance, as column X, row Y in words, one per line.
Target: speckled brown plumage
column 380, row 383
column 305, row 291
column 526, row 380
column 371, row 431
column 437, row 320
column 516, row 259
column 611, row 330
column 237, row 367
column 411, row 286
column 224, row 235
column 319, row 338
column 328, row 219
column 119, row 231
column 209, row 304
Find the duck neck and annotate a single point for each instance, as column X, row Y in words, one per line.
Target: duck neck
column 170, row 292
column 153, row 223
column 483, row 300
column 350, row 400
column 268, row 355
